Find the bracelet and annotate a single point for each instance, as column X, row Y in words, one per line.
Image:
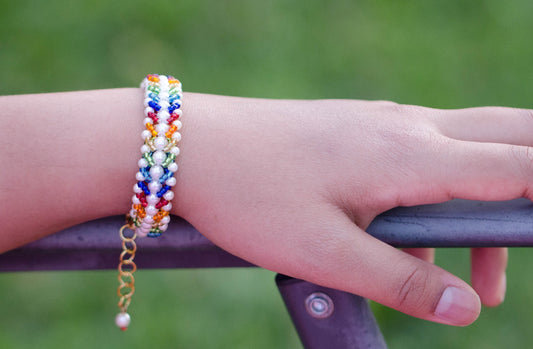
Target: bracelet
column 151, row 202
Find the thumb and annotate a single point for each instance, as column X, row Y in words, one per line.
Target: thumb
column 358, row 263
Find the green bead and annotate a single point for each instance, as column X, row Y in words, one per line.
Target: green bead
column 149, row 159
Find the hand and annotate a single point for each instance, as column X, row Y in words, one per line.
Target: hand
column 291, row 186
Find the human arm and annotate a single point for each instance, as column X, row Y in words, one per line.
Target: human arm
column 287, row 185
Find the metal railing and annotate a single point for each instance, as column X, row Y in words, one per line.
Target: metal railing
column 323, row 317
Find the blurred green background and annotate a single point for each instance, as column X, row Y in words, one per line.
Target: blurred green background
column 445, row 54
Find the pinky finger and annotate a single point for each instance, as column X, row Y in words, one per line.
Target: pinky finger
column 488, row 274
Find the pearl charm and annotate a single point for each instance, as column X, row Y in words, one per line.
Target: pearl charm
column 145, row 149
column 142, row 163
column 161, row 128
column 159, row 157
column 175, row 151
column 146, row 134
column 156, row 172
column 176, row 136
column 152, row 199
column 169, row 195
column 160, row 143
column 173, row 167
column 154, row 187
column 122, row 320
column 151, row 210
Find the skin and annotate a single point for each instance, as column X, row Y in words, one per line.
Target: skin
column 288, row 185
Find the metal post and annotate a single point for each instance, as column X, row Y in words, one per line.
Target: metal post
column 327, row 318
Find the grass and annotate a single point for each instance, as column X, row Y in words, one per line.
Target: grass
column 444, row 54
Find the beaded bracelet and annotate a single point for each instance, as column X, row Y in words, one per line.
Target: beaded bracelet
column 151, row 202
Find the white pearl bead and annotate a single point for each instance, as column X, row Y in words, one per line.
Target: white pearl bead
column 146, row 101
column 169, row 195
column 161, row 128
column 175, row 151
column 142, row 163
column 133, row 213
column 167, row 207
column 164, row 104
column 176, row 136
column 165, row 220
column 141, row 232
column 163, row 115
column 178, row 111
column 146, row 134
column 152, row 199
column 160, row 142
column 145, row 149
column 135, row 200
column 148, row 121
column 163, row 227
column 145, row 225
column 154, row 187
column 171, row 181
column 148, row 219
column 123, row 320
column 178, row 124
column 163, row 79
column 136, row 189
column 151, row 210
column 163, row 95
column 156, row 172
column 139, row 177
column 148, row 110
column 159, row 157
column 173, row 167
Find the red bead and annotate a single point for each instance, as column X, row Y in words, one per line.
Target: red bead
column 161, row 203
column 173, row 117
column 153, row 116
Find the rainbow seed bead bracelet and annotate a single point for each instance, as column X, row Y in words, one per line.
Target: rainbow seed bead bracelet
column 151, row 202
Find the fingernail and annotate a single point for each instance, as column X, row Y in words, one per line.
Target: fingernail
column 458, row 306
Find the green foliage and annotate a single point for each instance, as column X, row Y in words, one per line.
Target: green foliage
column 446, row 54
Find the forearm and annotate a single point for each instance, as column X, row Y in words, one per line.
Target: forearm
column 69, row 158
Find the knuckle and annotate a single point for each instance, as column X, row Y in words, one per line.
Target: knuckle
column 523, row 157
column 413, row 290
column 527, row 114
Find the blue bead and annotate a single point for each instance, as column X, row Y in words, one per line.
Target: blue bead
column 145, row 173
column 143, row 187
column 154, row 105
column 165, row 177
column 154, row 97
column 153, row 235
column 163, row 191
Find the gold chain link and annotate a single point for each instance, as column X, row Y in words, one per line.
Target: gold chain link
column 126, row 268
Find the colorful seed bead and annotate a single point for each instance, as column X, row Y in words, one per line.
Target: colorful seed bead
column 155, row 179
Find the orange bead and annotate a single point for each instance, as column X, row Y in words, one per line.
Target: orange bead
column 150, row 128
column 171, row 131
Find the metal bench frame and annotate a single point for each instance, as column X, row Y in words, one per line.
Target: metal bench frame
column 323, row 317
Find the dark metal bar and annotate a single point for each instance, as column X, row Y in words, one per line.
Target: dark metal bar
column 96, row 245
column 351, row 323
column 457, row 223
